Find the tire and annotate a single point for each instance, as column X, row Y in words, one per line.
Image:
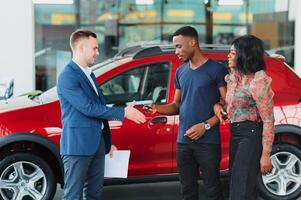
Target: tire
column 284, row 182
column 26, row 176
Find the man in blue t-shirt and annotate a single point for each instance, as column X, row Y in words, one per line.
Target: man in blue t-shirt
column 199, row 84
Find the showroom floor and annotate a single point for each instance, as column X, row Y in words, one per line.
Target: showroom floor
column 147, row 191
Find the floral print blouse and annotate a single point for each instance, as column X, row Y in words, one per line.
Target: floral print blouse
column 250, row 97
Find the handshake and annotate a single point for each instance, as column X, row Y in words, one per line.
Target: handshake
column 135, row 115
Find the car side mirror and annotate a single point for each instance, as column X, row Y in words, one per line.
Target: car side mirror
column 6, row 88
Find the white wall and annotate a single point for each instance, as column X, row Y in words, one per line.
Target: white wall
column 298, row 39
column 17, row 44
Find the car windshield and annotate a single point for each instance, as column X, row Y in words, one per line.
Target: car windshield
column 108, row 65
column 98, row 69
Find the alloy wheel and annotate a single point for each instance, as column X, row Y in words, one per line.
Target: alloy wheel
column 285, row 177
column 23, row 181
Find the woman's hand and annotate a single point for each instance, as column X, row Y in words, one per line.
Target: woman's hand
column 265, row 163
column 220, row 112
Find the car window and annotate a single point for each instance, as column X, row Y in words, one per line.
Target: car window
column 47, row 96
column 288, row 55
column 144, row 84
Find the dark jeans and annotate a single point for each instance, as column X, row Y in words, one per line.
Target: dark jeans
column 192, row 157
column 245, row 153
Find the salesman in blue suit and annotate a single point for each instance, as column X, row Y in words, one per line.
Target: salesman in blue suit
column 86, row 135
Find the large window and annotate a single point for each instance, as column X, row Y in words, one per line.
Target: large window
column 121, row 23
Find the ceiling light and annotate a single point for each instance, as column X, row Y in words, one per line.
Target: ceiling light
column 144, row 2
column 53, row 1
column 230, row 2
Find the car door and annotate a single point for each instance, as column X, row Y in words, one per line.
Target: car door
column 150, row 143
column 225, row 136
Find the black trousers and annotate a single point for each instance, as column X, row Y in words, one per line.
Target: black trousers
column 192, row 157
column 245, row 153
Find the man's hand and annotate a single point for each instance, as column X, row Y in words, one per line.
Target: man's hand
column 265, row 163
column 220, row 113
column 150, row 109
column 113, row 148
column 196, row 131
column 133, row 114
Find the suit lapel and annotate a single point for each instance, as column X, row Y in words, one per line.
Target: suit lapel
column 101, row 96
column 82, row 74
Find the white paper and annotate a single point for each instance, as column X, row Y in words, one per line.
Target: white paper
column 117, row 166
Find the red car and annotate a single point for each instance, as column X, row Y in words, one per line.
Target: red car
column 30, row 126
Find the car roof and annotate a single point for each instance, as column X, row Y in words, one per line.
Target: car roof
column 140, row 51
column 145, row 50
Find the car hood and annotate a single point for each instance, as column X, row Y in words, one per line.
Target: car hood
column 16, row 103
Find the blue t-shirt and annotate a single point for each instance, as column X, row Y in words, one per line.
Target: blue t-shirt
column 199, row 92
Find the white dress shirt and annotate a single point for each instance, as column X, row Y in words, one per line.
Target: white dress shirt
column 87, row 71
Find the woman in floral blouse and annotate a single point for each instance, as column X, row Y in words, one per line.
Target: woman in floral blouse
column 249, row 107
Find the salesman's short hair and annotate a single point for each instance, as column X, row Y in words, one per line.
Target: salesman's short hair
column 80, row 34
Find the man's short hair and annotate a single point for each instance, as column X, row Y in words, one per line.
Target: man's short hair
column 187, row 31
column 80, row 34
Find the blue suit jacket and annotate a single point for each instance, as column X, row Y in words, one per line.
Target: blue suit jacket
column 83, row 112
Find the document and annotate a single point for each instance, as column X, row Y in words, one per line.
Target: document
column 117, row 166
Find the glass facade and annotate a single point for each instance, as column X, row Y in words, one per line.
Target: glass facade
column 121, row 23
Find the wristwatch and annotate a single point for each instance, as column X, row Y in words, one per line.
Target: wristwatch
column 207, row 126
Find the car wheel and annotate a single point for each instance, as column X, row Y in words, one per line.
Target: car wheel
column 284, row 182
column 26, row 176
